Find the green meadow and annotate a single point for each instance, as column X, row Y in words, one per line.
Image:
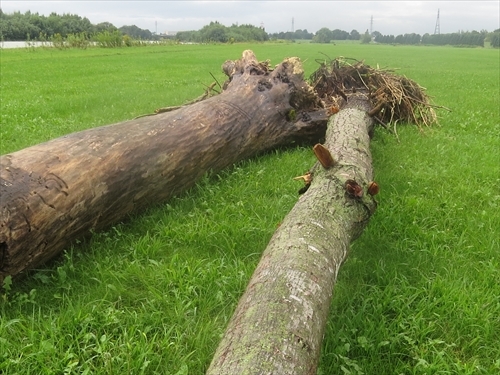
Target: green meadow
column 419, row 293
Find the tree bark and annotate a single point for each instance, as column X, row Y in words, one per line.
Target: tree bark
column 280, row 320
column 58, row 191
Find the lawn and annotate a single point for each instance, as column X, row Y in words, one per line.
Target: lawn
column 419, row 293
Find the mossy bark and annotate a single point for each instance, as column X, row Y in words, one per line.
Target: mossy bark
column 280, row 320
column 56, row 192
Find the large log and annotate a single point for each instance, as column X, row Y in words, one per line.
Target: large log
column 280, row 320
column 58, row 191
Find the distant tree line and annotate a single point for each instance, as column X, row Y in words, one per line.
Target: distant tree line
column 19, row 26
column 33, row 26
column 218, row 33
column 75, row 31
column 289, row 35
column 468, row 38
column 325, row 35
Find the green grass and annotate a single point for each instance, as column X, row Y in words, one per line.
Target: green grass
column 419, row 293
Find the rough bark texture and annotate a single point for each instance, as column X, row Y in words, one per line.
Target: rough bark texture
column 56, row 192
column 280, row 320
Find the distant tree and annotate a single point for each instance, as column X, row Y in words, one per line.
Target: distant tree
column 247, row 32
column 214, row 32
column 366, row 37
column 338, row 34
column 136, row 32
column 379, row 39
column 323, row 35
column 18, row 27
column 286, row 35
column 412, row 38
column 495, row 39
column 376, row 34
column 105, row 26
column 355, row 35
column 303, row 34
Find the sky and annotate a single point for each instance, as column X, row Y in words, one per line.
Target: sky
column 389, row 17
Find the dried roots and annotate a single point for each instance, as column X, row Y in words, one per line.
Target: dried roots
column 394, row 98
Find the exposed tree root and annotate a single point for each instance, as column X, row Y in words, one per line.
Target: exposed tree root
column 393, row 98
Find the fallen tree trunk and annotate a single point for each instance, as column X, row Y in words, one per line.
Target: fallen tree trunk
column 58, row 191
column 280, row 320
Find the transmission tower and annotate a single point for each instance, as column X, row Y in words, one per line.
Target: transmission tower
column 292, row 25
column 371, row 26
column 437, row 28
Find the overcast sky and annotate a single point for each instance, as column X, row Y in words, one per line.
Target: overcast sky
column 389, row 17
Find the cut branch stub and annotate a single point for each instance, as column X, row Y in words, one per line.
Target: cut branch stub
column 373, row 188
column 353, row 189
column 324, row 156
column 307, row 178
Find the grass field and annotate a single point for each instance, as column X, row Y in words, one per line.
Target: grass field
column 419, row 294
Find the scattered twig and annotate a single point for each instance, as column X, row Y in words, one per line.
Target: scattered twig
column 218, row 84
column 207, row 94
